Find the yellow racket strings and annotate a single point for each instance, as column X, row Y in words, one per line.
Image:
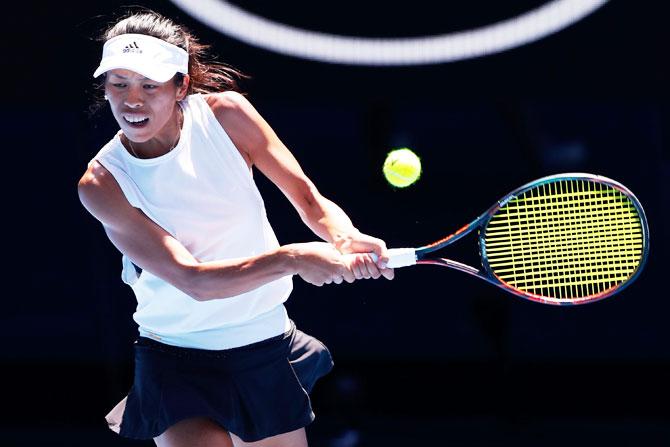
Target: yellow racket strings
column 565, row 239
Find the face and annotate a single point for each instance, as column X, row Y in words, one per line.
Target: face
column 144, row 108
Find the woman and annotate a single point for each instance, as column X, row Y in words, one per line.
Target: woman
column 218, row 362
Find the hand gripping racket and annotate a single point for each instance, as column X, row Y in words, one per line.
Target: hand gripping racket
column 563, row 239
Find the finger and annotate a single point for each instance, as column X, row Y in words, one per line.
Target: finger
column 380, row 258
column 382, row 253
column 362, row 261
column 348, row 272
column 383, row 257
column 351, row 264
column 349, row 276
column 337, row 279
column 356, row 269
column 365, row 261
column 373, row 269
column 388, row 273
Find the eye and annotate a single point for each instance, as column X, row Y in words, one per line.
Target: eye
column 119, row 85
column 150, row 86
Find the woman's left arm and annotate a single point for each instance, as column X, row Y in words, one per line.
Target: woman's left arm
column 260, row 146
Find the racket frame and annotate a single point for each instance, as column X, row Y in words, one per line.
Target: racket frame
column 481, row 222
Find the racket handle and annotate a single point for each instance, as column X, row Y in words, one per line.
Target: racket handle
column 399, row 257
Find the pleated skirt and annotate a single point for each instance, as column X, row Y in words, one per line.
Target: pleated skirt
column 253, row 391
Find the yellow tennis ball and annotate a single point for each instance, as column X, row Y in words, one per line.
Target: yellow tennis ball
column 402, row 167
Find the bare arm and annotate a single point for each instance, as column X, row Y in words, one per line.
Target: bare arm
column 260, row 146
column 154, row 249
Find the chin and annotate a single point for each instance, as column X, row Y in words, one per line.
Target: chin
column 138, row 136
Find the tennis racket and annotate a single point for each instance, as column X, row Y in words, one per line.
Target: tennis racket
column 564, row 239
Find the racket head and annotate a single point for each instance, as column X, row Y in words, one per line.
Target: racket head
column 565, row 239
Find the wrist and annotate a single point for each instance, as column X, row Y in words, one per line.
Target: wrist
column 289, row 258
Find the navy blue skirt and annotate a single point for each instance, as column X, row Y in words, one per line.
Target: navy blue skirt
column 253, row 391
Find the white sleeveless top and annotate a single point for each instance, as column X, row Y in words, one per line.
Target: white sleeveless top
column 203, row 194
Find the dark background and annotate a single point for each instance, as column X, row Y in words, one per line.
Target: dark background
column 434, row 357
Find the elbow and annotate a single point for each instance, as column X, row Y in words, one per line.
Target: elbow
column 199, row 294
column 196, row 285
column 196, row 294
column 189, row 281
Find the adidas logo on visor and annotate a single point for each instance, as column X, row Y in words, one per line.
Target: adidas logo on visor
column 132, row 48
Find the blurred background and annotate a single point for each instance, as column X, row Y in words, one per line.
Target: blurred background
column 432, row 358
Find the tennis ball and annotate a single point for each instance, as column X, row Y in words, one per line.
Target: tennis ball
column 402, row 167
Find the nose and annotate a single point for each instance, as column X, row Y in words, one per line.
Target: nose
column 134, row 97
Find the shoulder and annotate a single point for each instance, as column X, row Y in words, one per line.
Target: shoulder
column 99, row 192
column 228, row 104
column 96, row 178
column 236, row 114
column 238, row 117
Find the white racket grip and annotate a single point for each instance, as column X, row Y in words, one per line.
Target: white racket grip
column 401, row 257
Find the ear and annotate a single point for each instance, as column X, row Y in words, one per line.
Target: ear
column 183, row 88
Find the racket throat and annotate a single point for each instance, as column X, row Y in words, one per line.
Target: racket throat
column 444, row 262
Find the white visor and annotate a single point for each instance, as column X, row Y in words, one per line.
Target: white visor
column 149, row 56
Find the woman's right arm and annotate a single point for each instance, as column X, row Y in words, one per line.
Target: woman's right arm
column 153, row 249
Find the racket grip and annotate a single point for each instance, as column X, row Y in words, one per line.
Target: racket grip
column 399, row 257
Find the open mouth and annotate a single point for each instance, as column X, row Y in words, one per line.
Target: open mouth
column 136, row 122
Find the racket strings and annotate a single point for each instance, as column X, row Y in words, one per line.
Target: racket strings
column 566, row 239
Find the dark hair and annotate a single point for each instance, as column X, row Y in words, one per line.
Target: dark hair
column 207, row 75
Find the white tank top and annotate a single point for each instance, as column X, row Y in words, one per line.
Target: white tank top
column 203, row 194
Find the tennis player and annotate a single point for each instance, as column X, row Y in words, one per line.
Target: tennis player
column 218, row 362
